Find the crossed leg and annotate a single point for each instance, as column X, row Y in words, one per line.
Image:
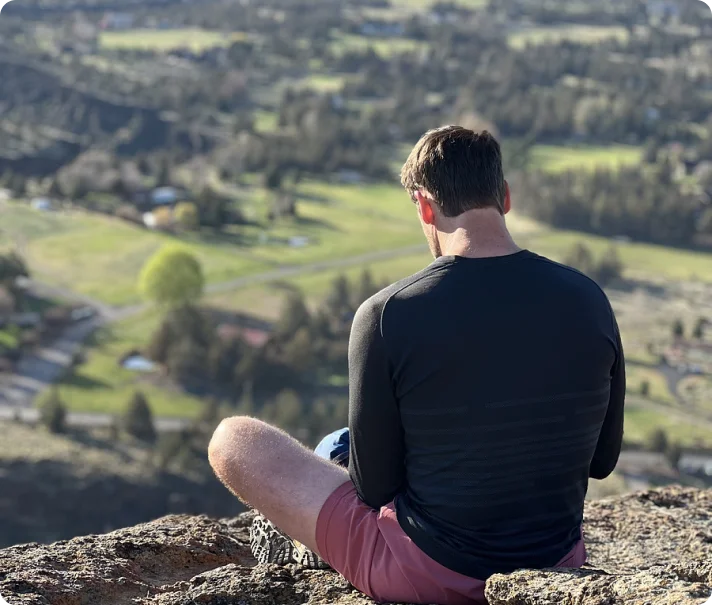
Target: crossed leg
column 273, row 473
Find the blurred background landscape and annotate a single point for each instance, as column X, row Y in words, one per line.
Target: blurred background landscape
column 196, row 196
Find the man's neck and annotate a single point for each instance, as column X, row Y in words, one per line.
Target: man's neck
column 478, row 234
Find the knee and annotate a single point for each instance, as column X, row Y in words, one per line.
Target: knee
column 229, row 441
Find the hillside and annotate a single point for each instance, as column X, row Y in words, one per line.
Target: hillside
column 57, row 487
column 653, row 547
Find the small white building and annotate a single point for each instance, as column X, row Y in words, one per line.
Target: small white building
column 43, row 204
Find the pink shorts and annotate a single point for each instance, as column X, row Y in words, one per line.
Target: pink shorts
column 371, row 551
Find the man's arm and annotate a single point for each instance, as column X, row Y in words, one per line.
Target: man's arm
column 610, row 441
column 377, row 464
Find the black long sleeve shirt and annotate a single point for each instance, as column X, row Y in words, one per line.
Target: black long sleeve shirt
column 484, row 394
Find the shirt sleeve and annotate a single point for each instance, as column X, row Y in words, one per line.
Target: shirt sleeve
column 610, row 441
column 377, row 459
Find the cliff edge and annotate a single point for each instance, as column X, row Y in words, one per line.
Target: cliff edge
column 653, row 548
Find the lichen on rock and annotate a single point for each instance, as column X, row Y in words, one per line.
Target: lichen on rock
column 653, row 548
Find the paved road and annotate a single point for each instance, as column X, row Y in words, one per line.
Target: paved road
column 283, row 273
column 42, row 368
column 79, row 420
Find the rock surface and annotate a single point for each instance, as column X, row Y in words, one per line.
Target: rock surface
column 653, row 548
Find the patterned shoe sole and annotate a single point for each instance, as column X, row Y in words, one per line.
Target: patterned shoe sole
column 307, row 558
column 269, row 545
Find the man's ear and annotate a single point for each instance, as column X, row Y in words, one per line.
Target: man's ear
column 507, row 198
column 425, row 208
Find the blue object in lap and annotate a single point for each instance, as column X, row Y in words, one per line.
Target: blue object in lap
column 335, row 447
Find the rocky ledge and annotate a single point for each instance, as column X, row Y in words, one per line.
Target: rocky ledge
column 653, row 548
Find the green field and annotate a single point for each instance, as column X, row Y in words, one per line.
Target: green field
column 640, row 422
column 385, row 47
column 560, row 158
column 641, row 260
column 166, row 40
column 583, row 34
column 659, row 390
column 102, row 386
column 101, row 256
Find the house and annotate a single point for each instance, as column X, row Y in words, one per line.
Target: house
column 149, row 199
column 383, row 29
column 350, row 177
column 166, row 196
column 117, row 21
column 43, row 204
column 255, row 337
column 25, row 320
column 663, row 9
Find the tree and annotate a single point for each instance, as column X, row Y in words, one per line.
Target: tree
column 678, row 329
column 338, row 301
column 286, row 411
column 365, row 289
column 164, row 178
column 658, row 441
column 645, row 388
column 12, row 266
column 138, row 420
column 673, row 453
column 700, row 328
column 53, row 413
column 294, row 316
column 163, row 218
column 580, row 257
column 186, row 215
column 299, row 351
column 610, row 267
column 172, row 277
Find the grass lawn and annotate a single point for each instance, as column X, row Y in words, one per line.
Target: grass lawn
column 583, row 34
column 167, row 40
column 102, row 386
column 266, row 300
column 385, row 47
column 659, row 391
column 640, row 422
column 100, row 256
column 641, row 260
column 266, row 121
column 560, row 158
column 8, row 339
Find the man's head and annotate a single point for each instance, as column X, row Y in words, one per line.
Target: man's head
column 453, row 171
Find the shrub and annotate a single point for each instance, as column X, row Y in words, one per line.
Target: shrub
column 138, row 421
column 53, row 413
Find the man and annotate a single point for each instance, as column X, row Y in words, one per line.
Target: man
column 484, row 392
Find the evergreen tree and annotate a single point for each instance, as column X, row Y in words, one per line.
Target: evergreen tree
column 700, row 328
column 658, row 441
column 678, row 329
column 294, row 316
column 338, row 301
column 610, row 267
column 674, row 453
column 365, row 289
column 138, row 420
column 645, row 389
column 580, row 257
column 53, row 413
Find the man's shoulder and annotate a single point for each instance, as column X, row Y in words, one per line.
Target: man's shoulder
column 381, row 299
column 374, row 307
column 568, row 274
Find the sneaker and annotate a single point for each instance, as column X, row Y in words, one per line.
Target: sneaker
column 269, row 545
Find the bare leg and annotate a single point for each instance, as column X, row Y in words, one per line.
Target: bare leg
column 275, row 474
